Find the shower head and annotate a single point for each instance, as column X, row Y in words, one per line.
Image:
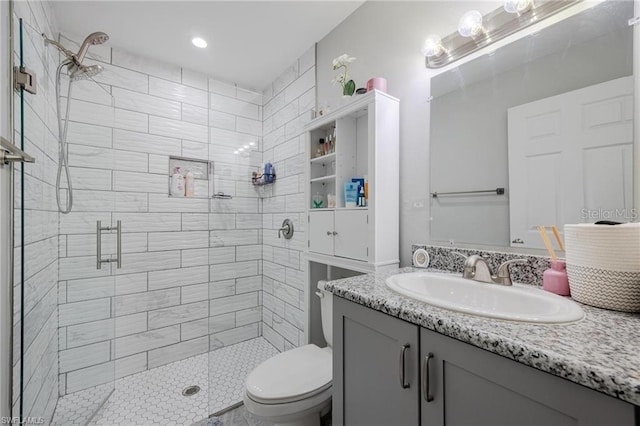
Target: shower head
column 84, row 72
column 92, row 39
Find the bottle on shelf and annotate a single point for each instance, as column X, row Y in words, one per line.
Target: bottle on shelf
column 189, row 184
column 177, row 183
column 318, row 201
column 320, row 150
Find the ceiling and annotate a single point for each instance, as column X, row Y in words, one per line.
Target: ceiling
column 250, row 42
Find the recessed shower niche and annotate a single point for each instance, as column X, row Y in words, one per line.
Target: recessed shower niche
column 191, row 168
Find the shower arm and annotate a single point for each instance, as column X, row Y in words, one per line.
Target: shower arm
column 69, row 54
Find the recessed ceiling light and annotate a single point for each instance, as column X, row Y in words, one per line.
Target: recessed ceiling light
column 199, row 42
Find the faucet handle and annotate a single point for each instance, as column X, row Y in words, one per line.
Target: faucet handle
column 503, row 269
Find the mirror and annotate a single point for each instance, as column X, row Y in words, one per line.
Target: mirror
column 549, row 118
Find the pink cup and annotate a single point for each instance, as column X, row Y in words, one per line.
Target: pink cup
column 555, row 279
column 377, row 83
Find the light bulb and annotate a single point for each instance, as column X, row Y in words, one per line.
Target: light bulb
column 517, row 6
column 470, row 24
column 433, row 46
column 236, row 152
column 199, row 42
column 240, row 149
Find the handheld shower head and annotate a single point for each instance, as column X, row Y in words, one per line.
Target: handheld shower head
column 92, row 39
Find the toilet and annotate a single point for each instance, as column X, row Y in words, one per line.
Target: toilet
column 294, row 388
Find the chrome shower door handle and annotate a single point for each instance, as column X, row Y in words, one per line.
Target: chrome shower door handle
column 403, row 362
column 99, row 259
column 119, row 244
column 99, row 244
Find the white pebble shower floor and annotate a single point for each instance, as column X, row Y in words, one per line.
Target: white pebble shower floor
column 154, row 397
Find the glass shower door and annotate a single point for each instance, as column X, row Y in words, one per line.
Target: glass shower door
column 64, row 265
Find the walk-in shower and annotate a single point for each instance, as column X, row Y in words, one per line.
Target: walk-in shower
column 77, row 71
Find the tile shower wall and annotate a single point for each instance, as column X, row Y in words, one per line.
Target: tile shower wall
column 191, row 271
column 40, row 221
column 288, row 102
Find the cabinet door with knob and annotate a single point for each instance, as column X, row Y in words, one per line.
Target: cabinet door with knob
column 342, row 233
column 464, row 385
column 321, row 232
column 375, row 368
column 351, row 229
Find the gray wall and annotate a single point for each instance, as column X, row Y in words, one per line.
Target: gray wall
column 469, row 129
column 386, row 38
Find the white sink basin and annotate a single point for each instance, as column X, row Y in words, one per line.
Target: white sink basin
column 516, row 303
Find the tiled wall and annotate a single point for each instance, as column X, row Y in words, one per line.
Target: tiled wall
column 191, row 270
column 287, row 108
column 40, row 219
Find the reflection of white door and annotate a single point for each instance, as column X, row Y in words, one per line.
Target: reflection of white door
column 570, row 159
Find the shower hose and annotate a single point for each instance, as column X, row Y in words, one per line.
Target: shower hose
column 63, row 126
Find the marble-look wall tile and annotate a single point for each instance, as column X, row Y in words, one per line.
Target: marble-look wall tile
column 180, row 255
column 143, row 342
column 140, row 302
column 178, row 351
column 178, row 314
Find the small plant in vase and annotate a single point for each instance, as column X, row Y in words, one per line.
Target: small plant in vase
column 348, row 85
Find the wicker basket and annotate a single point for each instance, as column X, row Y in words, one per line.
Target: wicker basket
column 603, row 264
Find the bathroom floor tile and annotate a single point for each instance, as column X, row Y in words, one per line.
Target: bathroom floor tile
column 155, row 396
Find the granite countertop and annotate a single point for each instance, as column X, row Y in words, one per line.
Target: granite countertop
column 601, row 351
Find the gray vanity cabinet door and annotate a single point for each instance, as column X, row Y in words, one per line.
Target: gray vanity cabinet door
column 367, row 359
column 471, row 386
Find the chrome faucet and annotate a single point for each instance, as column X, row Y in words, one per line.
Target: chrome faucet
column 476, row 268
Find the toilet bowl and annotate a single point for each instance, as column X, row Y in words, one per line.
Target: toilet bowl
column 294, row 388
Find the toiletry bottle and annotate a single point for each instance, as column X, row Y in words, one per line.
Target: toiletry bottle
column 327, row 145
column 333, row 140
column 320, row 151
column 177, row 183
column 189, row 184
column 555, row 279
column 361, row 202
column 366, row 190
column 272, row 173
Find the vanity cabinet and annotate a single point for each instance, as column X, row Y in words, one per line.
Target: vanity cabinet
column 375, row 367
column 448, row 382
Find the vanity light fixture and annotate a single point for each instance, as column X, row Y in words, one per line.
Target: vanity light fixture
column 476, row 31
column 470, row 24
column 199, row 42
column 433, row 46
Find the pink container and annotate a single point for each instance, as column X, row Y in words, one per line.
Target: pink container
column 377, row 83
column 555, row 279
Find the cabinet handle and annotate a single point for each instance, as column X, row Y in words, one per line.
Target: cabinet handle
column 329, row 233
column 425, row 377
column 335, row 233
column 403, row 358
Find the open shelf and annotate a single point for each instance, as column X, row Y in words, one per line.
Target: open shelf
column 324, row 158
column 324, row 179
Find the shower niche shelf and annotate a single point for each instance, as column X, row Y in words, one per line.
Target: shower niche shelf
column 202, row 171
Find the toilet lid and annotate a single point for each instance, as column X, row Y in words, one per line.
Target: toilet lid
column 291, row 376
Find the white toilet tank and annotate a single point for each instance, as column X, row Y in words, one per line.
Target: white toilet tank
column 326, row 313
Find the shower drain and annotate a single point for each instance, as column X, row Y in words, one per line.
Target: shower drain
column 191, row 390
